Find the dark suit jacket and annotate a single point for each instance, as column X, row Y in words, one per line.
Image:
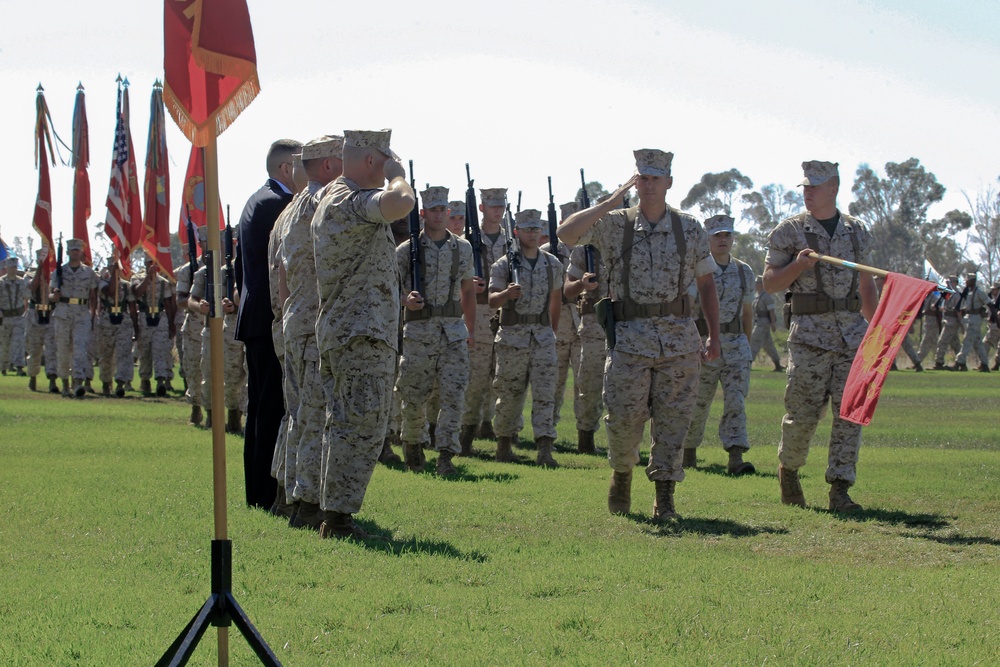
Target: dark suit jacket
column 254, row 317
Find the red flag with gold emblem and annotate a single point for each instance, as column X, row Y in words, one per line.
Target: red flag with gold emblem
column 42, row 220
column 897, row 309
column 81, row 181
column 193, row 197
column 156, row 189
column 209, row 63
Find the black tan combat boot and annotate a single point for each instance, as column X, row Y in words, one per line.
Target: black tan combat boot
column 20, row 371
column 585, row 442
column 939, row 366
column 544, row 457
column 737, row 466
column 281, row 507
column 208, row 418
column 984, row 368
column 106, row 389
column 53, row 387
column 791, row 489
column 307, row 515
column 161, row 386
column 145, row 387
column 620, row 492
column 465, row 438
column 413, row 456
column 690, row 461
column 431, row 428
column 234, row 424
column 33, row 383
column 195, row 415
column 778, row 368
column 387, row 456
column 337, row 525
column 918, row 368
column 120, row 389
column 78, row 389
column 839, row 500
column 663, row 505
column 505, row 453
column 486, row 431
column 445, row 468
column 65, row 388
column 87, row 387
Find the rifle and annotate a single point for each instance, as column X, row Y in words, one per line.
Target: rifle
column 584, row 197
column 588, row 250
column 59, row 263
column 553, row 223
column 230, row 276
column 473, row 234
column 192, row 248
column 518, row 202
column 513, row 249
column 414, row 226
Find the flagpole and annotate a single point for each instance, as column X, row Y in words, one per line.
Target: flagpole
column 863, row 268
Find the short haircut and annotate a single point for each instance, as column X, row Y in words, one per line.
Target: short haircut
column 281, row 151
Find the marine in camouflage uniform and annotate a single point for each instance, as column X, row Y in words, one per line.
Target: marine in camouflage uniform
column 114, row 338
column 951, row 325
column 992, row 337
column 438, row 313
column 732, row 368
column 358, row 320
column 73, row 318
column 931, row 323
column 480, row 396
column 830, row 306
column 191, row 333
column 764, row 322
column 567, row 337
column 154, row 297
column 39, row 339
column 12, row 298
column 588, row 374
column 974, row 308
column 530, row 303
column 300, row 479
column 234, row 376
column 652, row 253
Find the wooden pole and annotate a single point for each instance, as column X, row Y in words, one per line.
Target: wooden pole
column 849, row 265
column 215, row 357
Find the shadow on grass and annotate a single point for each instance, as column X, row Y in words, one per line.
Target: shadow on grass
column 381, row 540
column 895, row 518
column 958, row 540
column 705, row 527
column 723, row 471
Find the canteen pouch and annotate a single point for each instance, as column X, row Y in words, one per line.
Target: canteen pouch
column 605, row 314
column 116, row 318
column 786, row 311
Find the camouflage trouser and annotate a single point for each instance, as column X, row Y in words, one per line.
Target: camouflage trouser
column 735, row 379
column 761, row 337
column 816, row 376
column 588, row 376
column 179, row 341
column 661, row 390
column 36, row 337
column 72, row 325
column 567, row 354
column 973, row 340
column 395, row 423
column 154, row 348
column 306, row 415
column 991, row 340
column 114, row 349
column 421, row 367
column 234, row 376
column 928, row 341
column 12, row 340
column 190, row 332
column 517, row 368
column 948, row 338
column 908, row 348
column 357, row 385
column 480, row 395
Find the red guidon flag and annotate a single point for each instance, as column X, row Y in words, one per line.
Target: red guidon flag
column 193, row 197
column 209, row 63
column 156, row 189
column 123, row 224
column 81, row 181
column 897, row 308
column 42, row 220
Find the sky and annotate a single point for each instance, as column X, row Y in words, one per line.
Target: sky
column 526, row 90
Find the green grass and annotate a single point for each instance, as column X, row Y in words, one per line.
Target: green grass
column 107, row 521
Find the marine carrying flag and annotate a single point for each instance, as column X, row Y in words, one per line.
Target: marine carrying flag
column 156, row 188
column 42, row 220
column 123, row 222
column 81, row 181
column 897, row 308
column 209, row 63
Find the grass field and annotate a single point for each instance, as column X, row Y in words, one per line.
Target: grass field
column 107, row 521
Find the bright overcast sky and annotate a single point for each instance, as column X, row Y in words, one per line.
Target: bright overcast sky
column 525, row 90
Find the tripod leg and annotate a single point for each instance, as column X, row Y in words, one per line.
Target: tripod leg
column 250, row 633
column 187, row 641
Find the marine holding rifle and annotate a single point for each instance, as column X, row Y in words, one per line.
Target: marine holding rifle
column 829, row 307
column 652, row 254
column 74, row 286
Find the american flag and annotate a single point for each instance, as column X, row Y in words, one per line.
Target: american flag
column 123, row 223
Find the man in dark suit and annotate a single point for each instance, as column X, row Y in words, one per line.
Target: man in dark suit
column 265, row 406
